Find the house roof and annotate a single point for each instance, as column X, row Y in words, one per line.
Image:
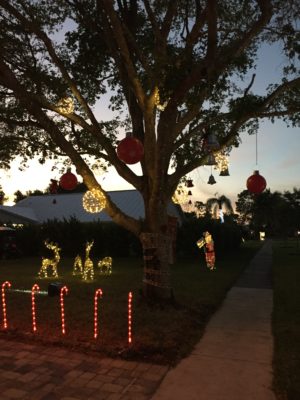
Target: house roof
column 38, row 209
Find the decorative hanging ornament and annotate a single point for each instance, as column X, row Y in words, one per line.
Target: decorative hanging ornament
column 189, row 183
column 130, row 150
column 256, row 183
column 68, row 181
column 210, row 143
column 211, row 160
column 211, row 180
column 93, row 201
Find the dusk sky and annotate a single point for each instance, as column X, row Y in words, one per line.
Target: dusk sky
column 278, row 154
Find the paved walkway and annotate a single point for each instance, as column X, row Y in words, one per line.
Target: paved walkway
column 232, row 361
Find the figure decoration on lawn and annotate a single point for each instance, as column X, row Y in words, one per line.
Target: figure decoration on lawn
column 50, row 262
column 88, row 267
column 105, row 266
column 208, row 246
column 77, row 266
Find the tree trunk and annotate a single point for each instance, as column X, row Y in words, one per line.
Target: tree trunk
column 156, row 253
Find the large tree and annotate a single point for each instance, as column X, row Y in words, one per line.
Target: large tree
column 171, row 67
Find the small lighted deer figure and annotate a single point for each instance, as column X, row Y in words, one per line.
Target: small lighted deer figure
column 105, row 266
column 50, row 262
column 88, row 268
column 77, row 266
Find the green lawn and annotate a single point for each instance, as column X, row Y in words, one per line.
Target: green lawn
column 286, row 319
column 160, row 334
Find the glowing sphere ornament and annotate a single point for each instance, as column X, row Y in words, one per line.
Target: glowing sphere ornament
column 68, row 181
column 256, row 183
column 130, row 150
column 93, row 201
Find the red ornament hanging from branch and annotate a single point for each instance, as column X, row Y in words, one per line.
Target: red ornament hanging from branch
column 68, row 181
column 130, row 150
column 256, row 183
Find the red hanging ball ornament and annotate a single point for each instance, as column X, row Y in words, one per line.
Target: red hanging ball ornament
column 256, row 183
column 68, row 181
column 130, row 150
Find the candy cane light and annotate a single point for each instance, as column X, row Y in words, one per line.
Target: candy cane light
column 98, row 294
column 35, row 288
column 63, row 290
column 129, row 318
column 5, row 284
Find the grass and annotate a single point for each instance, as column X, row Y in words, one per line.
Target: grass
column 286, row 319
column 160, row 334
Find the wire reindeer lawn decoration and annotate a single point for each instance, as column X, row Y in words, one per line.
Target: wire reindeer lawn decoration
column 50, row 262
column 88, row 267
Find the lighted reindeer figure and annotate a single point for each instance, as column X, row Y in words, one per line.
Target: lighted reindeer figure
column 77, row 267
column 88, row 268
column 50, row 262
column 105, row 266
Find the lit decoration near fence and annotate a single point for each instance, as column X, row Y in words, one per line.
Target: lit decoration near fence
column 65, row 105
column 77, row 266
column 35, row 288
column 98, row 294
column 129, row 317
column 105, row 266
column 93, row 201
column 5, row 284
column 50, row 262
column 63, row 290
column 88, row 268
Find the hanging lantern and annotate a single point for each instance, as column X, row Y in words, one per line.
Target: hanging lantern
column 130, row 150
column 210, row 143
column 189, row 193
column 224, row 172
column 211, row 180
column 68, row 181
column 256, row 183
column 190, row 202
column 189, row 183
column 211, row 160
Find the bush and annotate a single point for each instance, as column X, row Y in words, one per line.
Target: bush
column 71, row 235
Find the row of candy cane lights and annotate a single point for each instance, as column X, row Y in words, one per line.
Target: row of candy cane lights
column 63, row 291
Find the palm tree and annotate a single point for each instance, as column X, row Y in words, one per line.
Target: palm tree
column 215, row 204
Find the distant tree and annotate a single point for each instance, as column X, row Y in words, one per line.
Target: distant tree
column 216, row 204
column 3, row 198
column 276, row 213
column 18, row 195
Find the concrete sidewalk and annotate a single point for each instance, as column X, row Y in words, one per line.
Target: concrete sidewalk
column 233, row 360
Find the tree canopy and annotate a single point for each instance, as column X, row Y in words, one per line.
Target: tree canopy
column 174, row 71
